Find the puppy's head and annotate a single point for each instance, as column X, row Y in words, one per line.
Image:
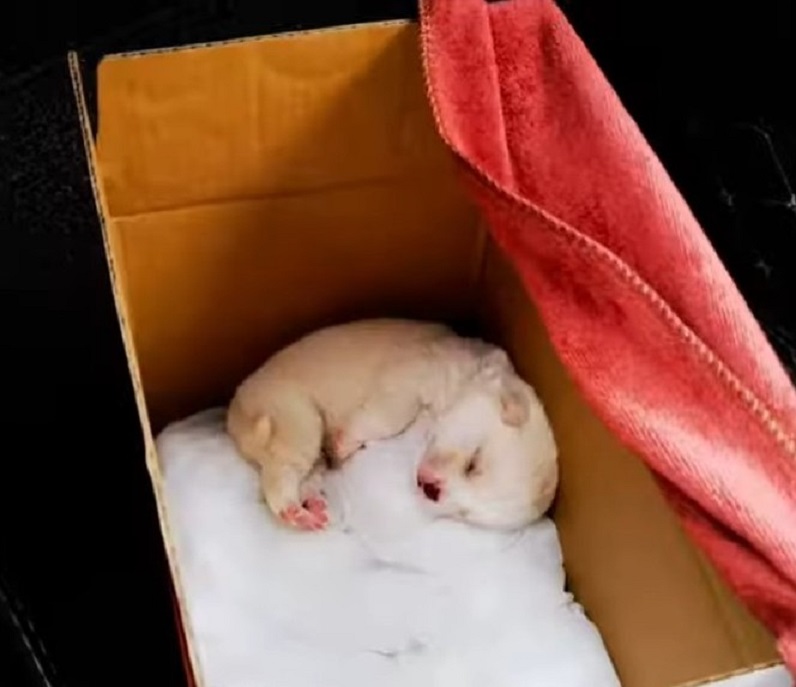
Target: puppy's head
column 492, row 458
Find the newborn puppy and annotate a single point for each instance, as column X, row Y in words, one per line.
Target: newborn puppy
column 492, row 459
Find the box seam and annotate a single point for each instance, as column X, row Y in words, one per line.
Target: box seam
column 278, row 195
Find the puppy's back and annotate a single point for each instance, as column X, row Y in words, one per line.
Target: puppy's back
column 336, row 365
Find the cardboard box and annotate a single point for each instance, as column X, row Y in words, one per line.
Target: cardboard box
column 256, row 190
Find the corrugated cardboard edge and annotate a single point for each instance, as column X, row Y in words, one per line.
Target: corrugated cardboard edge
column 256, row 39
column 152, row 463
column 734, row 673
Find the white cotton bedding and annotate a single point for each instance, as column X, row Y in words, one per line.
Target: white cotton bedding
column 385, row 597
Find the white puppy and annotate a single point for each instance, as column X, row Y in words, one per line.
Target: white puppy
column 491, row 459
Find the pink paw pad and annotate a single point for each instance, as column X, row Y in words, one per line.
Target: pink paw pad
column 314, row 504
column 310, row 515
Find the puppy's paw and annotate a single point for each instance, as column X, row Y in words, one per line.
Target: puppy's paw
column 303, row 508
column 313, row 497
column 309, row 515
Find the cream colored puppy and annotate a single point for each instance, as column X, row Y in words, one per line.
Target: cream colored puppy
column 491, row 458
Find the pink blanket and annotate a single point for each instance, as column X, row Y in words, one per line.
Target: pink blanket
column 639, row 307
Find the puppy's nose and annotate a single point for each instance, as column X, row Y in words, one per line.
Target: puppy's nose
column 429, row 484
column 432, row 491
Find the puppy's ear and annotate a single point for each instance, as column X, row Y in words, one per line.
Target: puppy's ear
column 496, row 361
column 493, row 368
column 514, row 407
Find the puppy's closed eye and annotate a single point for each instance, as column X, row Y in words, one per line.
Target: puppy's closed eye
column 473, row 466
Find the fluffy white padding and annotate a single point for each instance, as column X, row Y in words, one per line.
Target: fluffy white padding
column 385, row 597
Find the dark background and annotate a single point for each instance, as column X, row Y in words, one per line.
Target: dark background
column 84, row 592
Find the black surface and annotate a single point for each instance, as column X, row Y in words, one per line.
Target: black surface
column 23, row 657
column 78, row 534
column 81, row 563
